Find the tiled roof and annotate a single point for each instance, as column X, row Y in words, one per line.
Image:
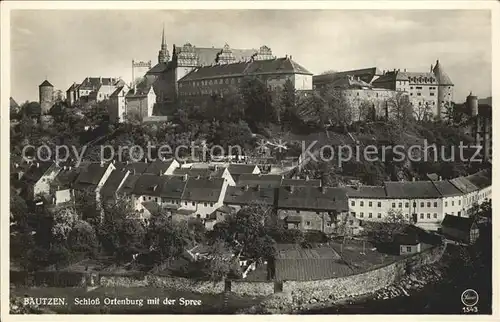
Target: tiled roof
column 158, row 166
column 366, row 74
column 135, row 167
column 411, row 189
column 142, row 89
column 66, row 178
column 172, row 187
column 394, row 76
column 446, row 189
column 148, row 184
column 366, row 192
column 301, row 182
column 312, row 198
column 461, row 223
column 406, row 239
column 46, row 83
column 441, row 75
column 207, row 56
column 203, row 189
column 199, row 172
column 480, row 179
column 244, row 195
column 255, row 67
column 463, row 184
column 262, row 180
column 347, row 81
column 158, row 68
column 241, row 168
column 117, row 91
column 309, row 264
column 112, row 184
column 36, row 171
column 129, row 184
column 13, row 103
column 152, row 207
column 90, row 176
column 73, row 87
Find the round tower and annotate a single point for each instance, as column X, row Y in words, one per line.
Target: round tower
column 46, row 96
column 472, row 104
column 444, row 88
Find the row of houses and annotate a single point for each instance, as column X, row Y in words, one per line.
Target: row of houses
column 210, row 192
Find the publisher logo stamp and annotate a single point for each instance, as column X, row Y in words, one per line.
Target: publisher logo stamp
column 470, row 297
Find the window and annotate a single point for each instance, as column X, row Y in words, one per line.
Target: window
column 393, row 205
column 411, row 87
column 211, row 204
column 419, row 94
column 421, row 216
column 360, row 215
column 431, row 94
column 361, row 203
column 205, row 204
column 156, row 199
column 422, row 204
column 353, row 203
column 408, row 248
column 370, row 215
column 308, row 223
column 379, row 215
column 452, row 203
column 186, row 203
column 407, row 204
column 435, row 216
column 428, row 216
column 379, row 204
column 446, row 203
column 428, row 204
column 435, row 204
column 353, row 213
column 458, row 213
column 369, row 204
column 297, row 211
column 194, row 203
column 400, row 205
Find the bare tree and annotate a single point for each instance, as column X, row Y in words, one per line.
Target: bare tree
column 399, row 108
column 422, row 112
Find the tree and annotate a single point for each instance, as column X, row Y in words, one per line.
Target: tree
column 219, row 263
column 64, row 220
column 166, row 238
column 82, row 239
column 422, row 112
column 400, row 108
column 393, row 223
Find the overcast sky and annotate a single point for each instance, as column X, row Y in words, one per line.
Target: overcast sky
column 67, row 46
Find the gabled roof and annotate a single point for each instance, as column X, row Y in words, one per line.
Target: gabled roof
column 135, row 167
column 481, row 179
column 65, row 178
column 172, row 187
column 13, row 103
column 117, row 91
column 241, row 168
column 461, row 223
column 158, row 68
column 36, row 171
column 148, row 184
column 365, row 74
column 262, row 180
column 112, row 184
column 366, row 192
column 313, row 198
column 46, row 83
column 301, row 182
column 411, row 189
column 158, row 166
column 463, row 184
column 129, row 184
column 203, row 189
column 254, row 67
column 245, row 196
column 446, row 189
column 406, row 239
column 207, row 56
column 90, row 175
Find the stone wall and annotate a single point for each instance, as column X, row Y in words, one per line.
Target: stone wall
column 252, row 288
column 353, row 285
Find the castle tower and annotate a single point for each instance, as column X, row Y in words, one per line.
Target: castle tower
column 46, row 96
column 445, row 88
column 163, row 54
column 472, row 104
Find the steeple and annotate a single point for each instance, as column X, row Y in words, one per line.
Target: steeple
column 163, row 54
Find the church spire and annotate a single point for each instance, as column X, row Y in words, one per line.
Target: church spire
column 163, row 54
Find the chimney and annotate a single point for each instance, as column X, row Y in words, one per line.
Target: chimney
column 38, row 165
column 133, row 171
column 405, row 70
column 440, row 178
column 431, row 68
column 291, row 189
column 245, row 188
column 184, row 177
column 307, row 178
column 414, row 179
column 257, row 187
column 145, row 160
column 290, row 57
column 323, row 189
